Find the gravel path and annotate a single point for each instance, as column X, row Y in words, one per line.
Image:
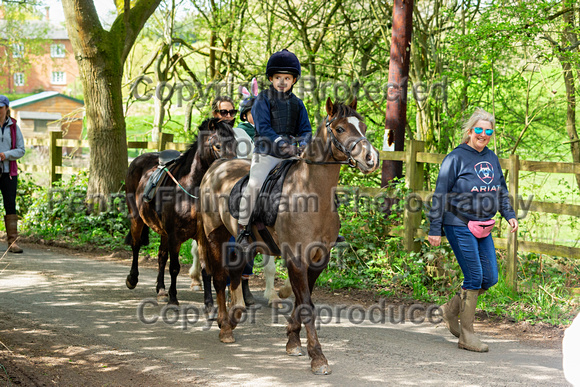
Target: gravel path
column 72, row 303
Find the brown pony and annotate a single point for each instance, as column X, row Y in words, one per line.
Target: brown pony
column 172, row 212
column 304, row 233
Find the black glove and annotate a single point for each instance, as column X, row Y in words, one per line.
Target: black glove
column 287, row 150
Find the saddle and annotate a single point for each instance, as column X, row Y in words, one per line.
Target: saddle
column 266, row 208
column 166, row 159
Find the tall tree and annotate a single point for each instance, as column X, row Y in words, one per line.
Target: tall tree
column 101, row 55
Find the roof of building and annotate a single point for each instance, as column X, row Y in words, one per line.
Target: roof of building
column 39, row 116
column 39, row 97
column 35, row 29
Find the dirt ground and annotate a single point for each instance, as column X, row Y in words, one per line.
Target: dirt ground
column 33, row 356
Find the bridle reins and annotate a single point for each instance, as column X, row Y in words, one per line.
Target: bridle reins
column 350, row 161
column 212, row 143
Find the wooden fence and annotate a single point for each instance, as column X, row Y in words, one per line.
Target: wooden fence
column 415, row 159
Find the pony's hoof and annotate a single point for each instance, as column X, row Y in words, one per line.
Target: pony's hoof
column 285, row 292
column 227, row 338
column 130, row 283
column 173, row 302
column 322, row 370
column 195, row 287
column 296, row 351
column 162, row 296
column 210, row 312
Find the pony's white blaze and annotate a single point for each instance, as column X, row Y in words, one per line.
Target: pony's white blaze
column 356, row 123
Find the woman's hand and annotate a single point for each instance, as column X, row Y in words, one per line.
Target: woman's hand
column 514, row 223
column 434, row 240
column 2, row 156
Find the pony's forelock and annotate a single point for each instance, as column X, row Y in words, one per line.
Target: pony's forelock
column 342, row 110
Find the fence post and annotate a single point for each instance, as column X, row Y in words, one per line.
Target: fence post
column 55, row 155
column 512, row 246
column 414, row 178
column 163, row 140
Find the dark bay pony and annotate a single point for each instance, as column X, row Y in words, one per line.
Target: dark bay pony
column 172, row 212
column 304, row 234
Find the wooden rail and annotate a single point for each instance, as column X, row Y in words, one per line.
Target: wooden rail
column 415, row 155
column 414, row 158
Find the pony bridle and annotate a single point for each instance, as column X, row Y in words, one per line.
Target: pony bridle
column 338, row 145
column 213, row 146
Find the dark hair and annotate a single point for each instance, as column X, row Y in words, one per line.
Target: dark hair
column 219, row 99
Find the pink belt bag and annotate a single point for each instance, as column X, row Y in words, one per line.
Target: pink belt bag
column 480, row 229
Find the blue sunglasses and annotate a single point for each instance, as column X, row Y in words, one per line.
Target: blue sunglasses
column 488, row 132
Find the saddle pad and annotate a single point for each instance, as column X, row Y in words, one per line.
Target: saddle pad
column 266, row 208
column 153, row 183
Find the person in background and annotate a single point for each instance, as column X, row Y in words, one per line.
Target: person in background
column 223, row 107
column 11, row 149
column 470, row 190
column 571, row 352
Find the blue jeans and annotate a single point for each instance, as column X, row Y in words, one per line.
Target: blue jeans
column 475, row 256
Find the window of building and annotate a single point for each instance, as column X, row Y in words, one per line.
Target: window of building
column 57, row 50
column 58, row 78
column 17, row 50
column 18, row 79
column 40, row 125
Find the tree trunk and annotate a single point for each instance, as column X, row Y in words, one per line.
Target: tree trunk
column 106, row 128
column 571, row 113
column 570, row 38
column 101, row 55
column 396, row 114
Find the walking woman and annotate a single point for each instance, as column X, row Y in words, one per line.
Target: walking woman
column 470, row 190
column 11, row 149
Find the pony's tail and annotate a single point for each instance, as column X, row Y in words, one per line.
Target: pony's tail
column 144, row 237
column 202, row 245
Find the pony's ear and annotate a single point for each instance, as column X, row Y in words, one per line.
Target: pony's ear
column 353, row 103
column 329, row 107
column 211, row 125
column 255, row 87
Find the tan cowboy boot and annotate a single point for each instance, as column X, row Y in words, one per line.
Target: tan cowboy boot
column 450, row 314
column 468, row 340
column 11, row 222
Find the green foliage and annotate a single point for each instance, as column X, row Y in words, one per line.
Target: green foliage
column 373, row 259
column 61, row 213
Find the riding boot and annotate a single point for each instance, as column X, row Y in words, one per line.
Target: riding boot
column 243, row 239
column 450, row 314
column 468, row 340
column 11, row 222
column 248, row 297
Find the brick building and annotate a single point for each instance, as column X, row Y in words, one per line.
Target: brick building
column 43, row 61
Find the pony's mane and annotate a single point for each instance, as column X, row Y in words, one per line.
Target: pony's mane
column 223, row 129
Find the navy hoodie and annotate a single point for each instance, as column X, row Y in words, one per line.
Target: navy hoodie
column 472, row 184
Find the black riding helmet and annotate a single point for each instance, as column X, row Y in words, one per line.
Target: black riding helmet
column 246, row 106
column 283, row 62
